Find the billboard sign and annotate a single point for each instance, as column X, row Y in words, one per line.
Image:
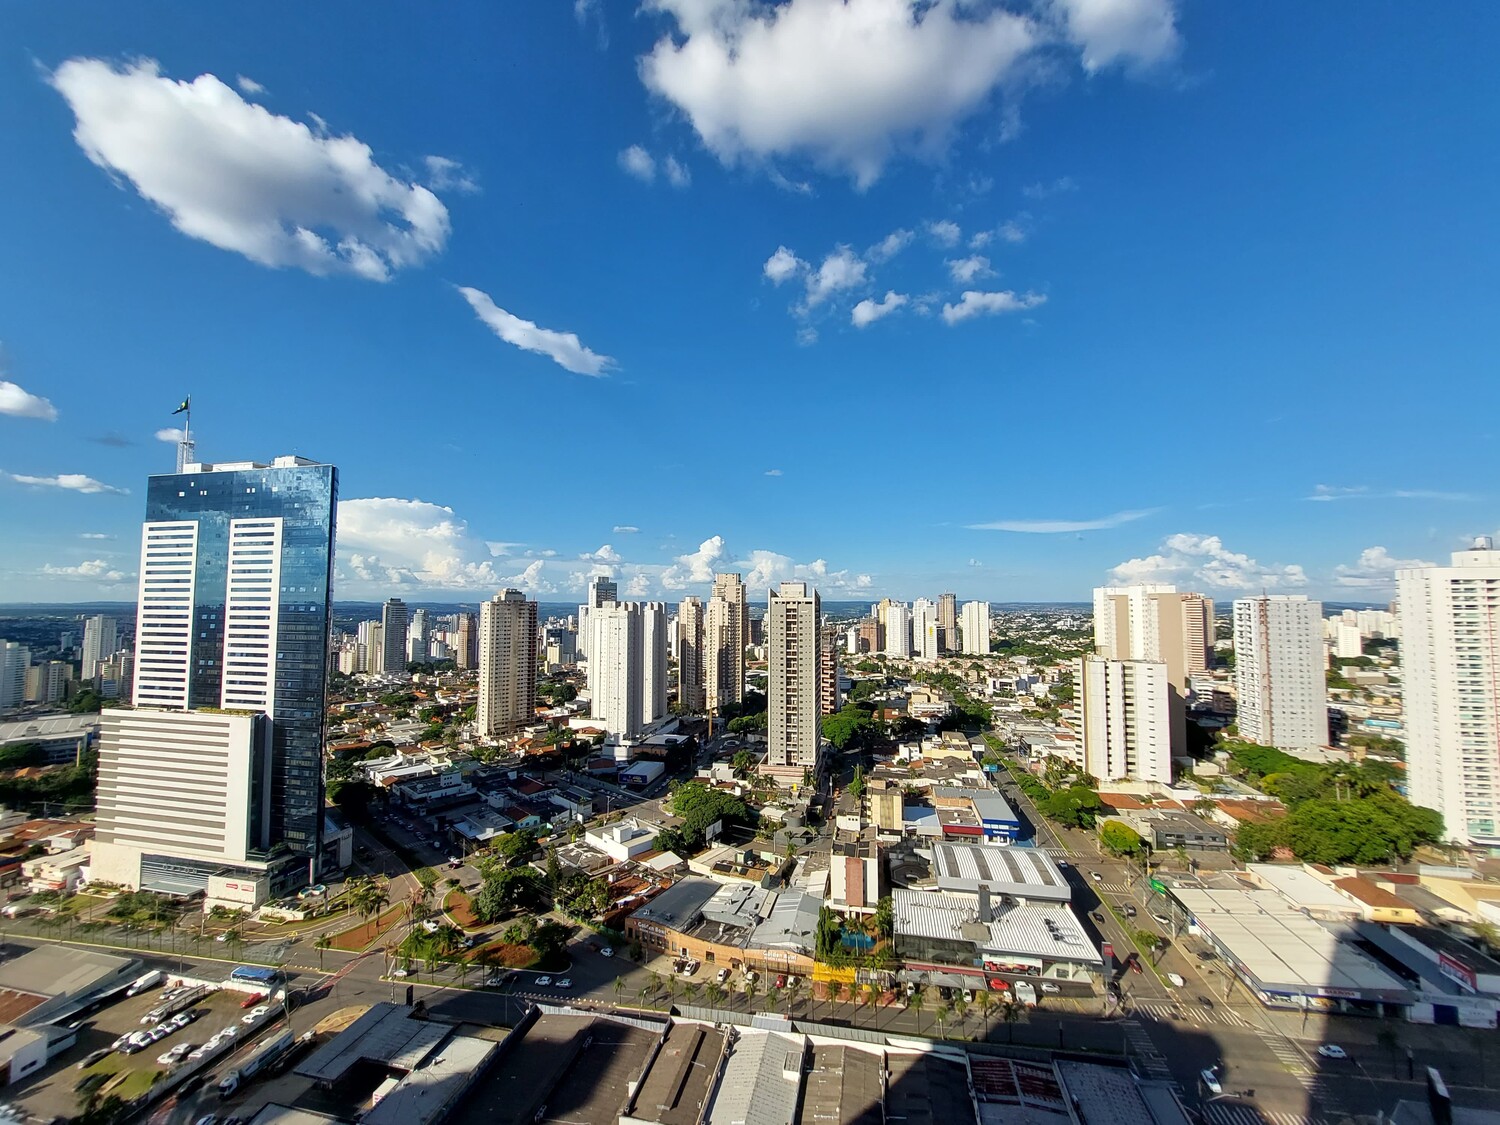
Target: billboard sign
column 1456, row 971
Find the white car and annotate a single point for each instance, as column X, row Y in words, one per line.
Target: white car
column 1211, row 1082
column 607, row 951
column 1332, row 1051
column 255, row 1013
column 566, row 982
column 1177, row 981
column 401, row 973
column 543, row 982
column 175, row 1055
column 1048, row 986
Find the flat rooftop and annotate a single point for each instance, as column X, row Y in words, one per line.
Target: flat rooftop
column 760, row 1082
column 1300, row 888
column 426, row 1093
column 57, row 970
column 386, row 1034
column 844, row 1085
column 1284, row 949
column 928, row 1089
column 676, row 1087
column 1021, row 872
column 679, row 904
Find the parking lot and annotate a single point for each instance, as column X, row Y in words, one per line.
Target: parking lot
column 54, row 1091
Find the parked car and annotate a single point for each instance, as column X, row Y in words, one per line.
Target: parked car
column 253, row 999
column 96, row 1056
column 1162, row 920
column 722, row 976
column 780, row 980
column 175, row 1055
column 1048, row 986
column 543, row 982
column 401, row 973
column 607, row 951
column 566, row 982
column 255, row 1013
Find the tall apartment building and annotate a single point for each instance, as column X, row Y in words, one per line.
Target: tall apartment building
column 1449, row 622
column 101, row 639
column 690, row 670
column 602, row 591
column 47, row 683
column 1279, row 671
column 726, row 632
column 792, row 674
column 466, row 653
column 871, row 635
column 975, row 626
column 15, row 659
column 828, row 670
column 628, row 667
column 374, row 647
column 507, row 664
column 419, row 637
column 923, row 614
column 948, row 621
column 394, row 625
column 897, row 630
column 1127, row 729
column 218, row 769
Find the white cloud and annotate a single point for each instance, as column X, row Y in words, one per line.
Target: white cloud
column 807, row 336
column 72, row 482
column 499, row 548
column 248, row 85
column 387, row 541
column 1203, row 561
column 638, row 586
column 867, row 312
column 773, row 472
column 170, row 435
column 783, row 266
column 980, row 239
column 842, row 269
column 445, row 174
column 639, row 163
column 1055, row 527
column 889, row 246
column 605, row 554
column 241, row 178
column 94, row 569
column 1012, row 231
column 1328, row 493
column 965, row 270
column 563, row 348
column 697, row 567
column 94, row 535
column 975, row 562
column 625, row 529
column 1139, row 33
column 945, row 232
column 676, row 172
column 847, row 83
column 532, row 580
column 1045, row 189
column 19, row 403
column 974, row 303
column 1375, row 569
column 765, row 569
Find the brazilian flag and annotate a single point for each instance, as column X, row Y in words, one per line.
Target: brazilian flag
column 187, row 402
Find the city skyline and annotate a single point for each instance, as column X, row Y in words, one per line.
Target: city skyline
column 1110, row 237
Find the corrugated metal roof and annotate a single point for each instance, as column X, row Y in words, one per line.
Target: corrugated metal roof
column 1015, row 871
column 761, row 1081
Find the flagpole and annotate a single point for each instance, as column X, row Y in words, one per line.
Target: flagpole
column 185, row 454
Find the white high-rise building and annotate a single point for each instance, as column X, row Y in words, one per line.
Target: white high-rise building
column 726, row 632
column 394, row 624
column 1450, row 663
column 792, row 676
column 1127, row 729
column 602, row 591
column 47, row 683
column 690, row 679
column 374, row 647
column 101, row 639
column 928, row 645
column 628, row 668
column 924, row 613
column 15, row 659
column 974, row 624
column 948, row 621
column 507, row 664
column 1279, row 671
column 419, row 638
column 1347, row 643
column 897, row 630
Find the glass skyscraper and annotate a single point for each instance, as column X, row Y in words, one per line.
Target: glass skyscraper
column 235, row 610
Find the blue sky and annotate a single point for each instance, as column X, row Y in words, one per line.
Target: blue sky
column 1005, row 300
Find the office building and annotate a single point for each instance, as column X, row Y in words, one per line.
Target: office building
column 394, row 625
column 897, row 631
column 603, row 591
column 792, row 676
column 466, row 651
column 1279, row 671
column 231, row 677
column 47, row 683
column 690, row 671
column 101, row 638
column 1127, row 731
column 628, row 667
column 1449, row 622
column 15, row 659
column 507, row 664
column 828, row 670
column 726, row 632
column 948, row 621
column 975, row 627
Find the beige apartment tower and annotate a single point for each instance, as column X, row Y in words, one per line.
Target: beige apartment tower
column 690, row 691
column 725, row 635
column 793, row 667
column 507, row 664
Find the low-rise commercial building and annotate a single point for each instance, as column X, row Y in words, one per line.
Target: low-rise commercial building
column 985, row 944
column 738, row 925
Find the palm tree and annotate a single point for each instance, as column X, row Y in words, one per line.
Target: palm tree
column 750, row 991
column 875, row 992
column 985, row 1002
column 918, row 1002
column 1011, row 1013
column 324, row 942
column 619, row 987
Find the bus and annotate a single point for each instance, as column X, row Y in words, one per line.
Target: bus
column 254, row 975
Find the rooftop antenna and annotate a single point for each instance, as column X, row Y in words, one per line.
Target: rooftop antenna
column 185, row 454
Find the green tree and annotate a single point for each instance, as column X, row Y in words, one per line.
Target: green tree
column 844, row 727
column 1119, row 839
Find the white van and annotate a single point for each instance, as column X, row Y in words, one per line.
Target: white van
column 1025, row 993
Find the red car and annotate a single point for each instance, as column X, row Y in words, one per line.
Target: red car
column 997, row 985
column 1135, row 964
column 253, row 999
column 781, row 980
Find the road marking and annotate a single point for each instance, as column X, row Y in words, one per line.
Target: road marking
column 1143, row 1050
column 1238, row 1113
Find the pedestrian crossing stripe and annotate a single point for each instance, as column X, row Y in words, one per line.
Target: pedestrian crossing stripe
column 1191, row 1013
column 1237, row 1113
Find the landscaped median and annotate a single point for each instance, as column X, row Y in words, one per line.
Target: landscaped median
column 360, row 937
column 459, row 907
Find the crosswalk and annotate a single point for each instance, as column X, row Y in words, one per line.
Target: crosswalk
column 1148, row 1060
column 1322, row 1088
column 1190, row 1013
column 1287, row 1054
column 1319, row 1086
column 1238, row 1113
